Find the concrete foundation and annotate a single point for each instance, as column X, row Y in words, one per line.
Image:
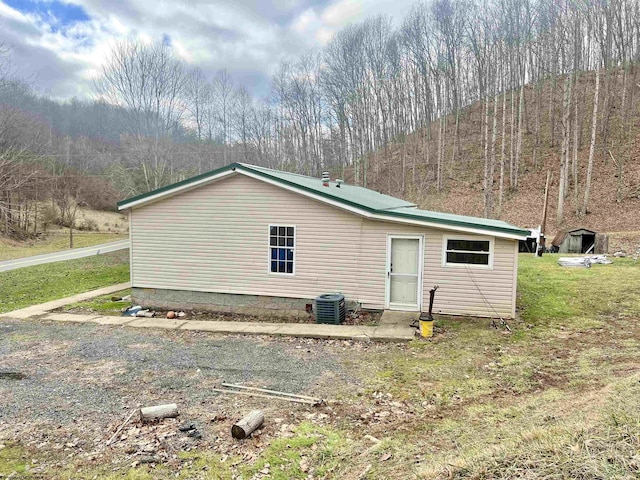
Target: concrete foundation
column 220, row 302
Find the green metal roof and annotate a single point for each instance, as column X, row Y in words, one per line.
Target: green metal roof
column 349, row 195
column 357, row 196
column 453, row 219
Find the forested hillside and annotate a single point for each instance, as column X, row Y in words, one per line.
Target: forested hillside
column 462, row 106
column 409, row 167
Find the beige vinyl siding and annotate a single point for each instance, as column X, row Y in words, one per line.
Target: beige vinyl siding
column 460, row 288
column 215, row 239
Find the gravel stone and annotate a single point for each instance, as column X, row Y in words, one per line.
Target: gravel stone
column 83, row 369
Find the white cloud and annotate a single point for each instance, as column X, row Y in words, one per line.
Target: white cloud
column 247, row 38
column 308, row 20
column 343, row 12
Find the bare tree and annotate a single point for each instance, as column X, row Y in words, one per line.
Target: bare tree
column 224, row 95
column 592, row 146
column 149, row 82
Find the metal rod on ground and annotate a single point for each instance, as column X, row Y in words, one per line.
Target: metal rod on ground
column 122, row 426
column 276, row 392
column 251, row 394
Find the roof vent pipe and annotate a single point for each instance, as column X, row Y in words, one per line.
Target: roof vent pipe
column 325, row 179
column 338, row 182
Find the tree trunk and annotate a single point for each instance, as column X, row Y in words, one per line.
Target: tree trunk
column 536, row 140
column 574, row 162
column 625, row 119
column 485, row 128
column 552, row 110
column 516, row 172
column 592, row 146
column 503, row 148
column 511, row 138
column 562, row 187
column 492, row 159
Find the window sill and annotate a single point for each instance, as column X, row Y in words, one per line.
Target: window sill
column 468, row 265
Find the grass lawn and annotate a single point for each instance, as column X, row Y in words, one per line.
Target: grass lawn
column 32, row 285
column 557, row 398
column 102, row 304
column 53, row 243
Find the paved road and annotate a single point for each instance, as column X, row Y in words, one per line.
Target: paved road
column 64, row 255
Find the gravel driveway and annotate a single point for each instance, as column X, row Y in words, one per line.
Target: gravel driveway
column 75, row 370
column 82, row 380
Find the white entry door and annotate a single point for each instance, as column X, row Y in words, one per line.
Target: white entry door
column 404, row 273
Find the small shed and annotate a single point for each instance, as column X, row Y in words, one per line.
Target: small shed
column 579, row 240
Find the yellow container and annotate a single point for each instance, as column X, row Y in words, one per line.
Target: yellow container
column 426, row 328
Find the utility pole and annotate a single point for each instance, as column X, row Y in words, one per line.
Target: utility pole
column 541, row 237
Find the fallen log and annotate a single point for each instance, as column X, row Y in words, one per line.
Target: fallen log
column 169, row 410
column 247, row 425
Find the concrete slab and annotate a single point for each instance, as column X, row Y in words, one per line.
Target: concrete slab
column 24, row 313
column 71, row 317
column 394, row 325
column 393, row 333
column 216, row 327
column 156, row 323
column 270, row 328
column 113, row 320
column 397, row 317
column 312, row 330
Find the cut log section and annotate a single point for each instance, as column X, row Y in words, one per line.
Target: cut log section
column 12, row 375
column 247, row 425
column 169, row 410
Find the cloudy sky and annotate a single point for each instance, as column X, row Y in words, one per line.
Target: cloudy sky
column 61, row 43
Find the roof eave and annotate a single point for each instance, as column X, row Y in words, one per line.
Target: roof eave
column 457, row 226
column 174, row 188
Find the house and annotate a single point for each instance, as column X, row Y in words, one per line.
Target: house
column 250, row 239
column 579, row 240
column 533, row 240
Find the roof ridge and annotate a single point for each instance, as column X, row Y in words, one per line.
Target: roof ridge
column 342, row 182
column 260, row 167
column 353, row 196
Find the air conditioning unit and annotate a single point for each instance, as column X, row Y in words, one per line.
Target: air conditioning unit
column 330, row 308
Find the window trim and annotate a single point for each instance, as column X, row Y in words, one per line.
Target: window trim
column 445, row 240
column 294, row 248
